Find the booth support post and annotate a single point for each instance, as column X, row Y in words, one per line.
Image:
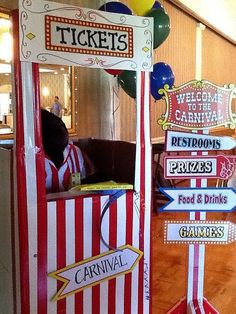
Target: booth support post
column 143, row 179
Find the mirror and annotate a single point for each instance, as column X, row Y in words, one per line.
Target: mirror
column 55, row 80
column 6, row 116
column 57, row 92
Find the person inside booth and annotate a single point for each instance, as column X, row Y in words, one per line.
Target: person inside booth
column 65, row 164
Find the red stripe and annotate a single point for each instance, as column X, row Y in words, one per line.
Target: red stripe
column 66, row 179
column 113, row 243
column 96, row 250
column 196, row 307
column 41, row 199
column 76, row 158
column 79, row 240
column 61, row 248
column 142, row 193
column 21, row 175
column 55, row 179
column 129, row 237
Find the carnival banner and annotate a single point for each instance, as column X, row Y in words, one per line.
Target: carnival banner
column 95, row 270
column 198, row 105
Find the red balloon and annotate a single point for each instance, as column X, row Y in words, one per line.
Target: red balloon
column 114, row 72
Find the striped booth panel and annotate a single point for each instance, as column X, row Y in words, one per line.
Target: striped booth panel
column 73, row 235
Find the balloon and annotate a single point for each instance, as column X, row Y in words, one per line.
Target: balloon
column 162, row 74
column 113, row 72
column 115, row 7
column 157, row 5
column 141, row 7
column 127, row 80
column 161, row 26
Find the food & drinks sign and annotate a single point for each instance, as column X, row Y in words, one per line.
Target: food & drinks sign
column 52, row 33
column 198, row 105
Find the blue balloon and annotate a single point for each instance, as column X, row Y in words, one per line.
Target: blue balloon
column 162, row 74
column 157, row 5
column 115, row 7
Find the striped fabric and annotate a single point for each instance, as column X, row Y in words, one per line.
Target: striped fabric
column 73, row 235
column 58, row 180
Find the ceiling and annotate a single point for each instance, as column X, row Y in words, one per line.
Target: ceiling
column 221, row 14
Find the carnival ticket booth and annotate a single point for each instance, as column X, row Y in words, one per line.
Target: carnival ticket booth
column 61, row 263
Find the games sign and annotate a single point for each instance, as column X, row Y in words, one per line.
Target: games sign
column 199, row 232
column 52, row 32
column 198, row 105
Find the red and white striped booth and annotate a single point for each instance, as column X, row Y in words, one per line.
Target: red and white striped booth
column 52, row 233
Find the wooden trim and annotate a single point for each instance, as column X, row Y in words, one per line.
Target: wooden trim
column 198, row 18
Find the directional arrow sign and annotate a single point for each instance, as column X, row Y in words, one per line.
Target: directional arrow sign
column 203, row 199
column 183, row 141
column 94, row 270
column 201, row 232
column 219, row 166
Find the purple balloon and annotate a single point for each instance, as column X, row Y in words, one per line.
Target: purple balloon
column 162, row 74
column 157, row 5
column 115, row 7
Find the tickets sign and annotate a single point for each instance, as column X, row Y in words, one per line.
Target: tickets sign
column 93, row 271
column 199, row 167
column 201, row 232
column 198, row 105
column 203, row 199
column 58, row 33
column 183, row 141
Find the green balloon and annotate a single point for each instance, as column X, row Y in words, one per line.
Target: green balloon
column 161, row 26
column 127, row 80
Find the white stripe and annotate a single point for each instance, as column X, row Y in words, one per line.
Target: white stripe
column 103, row 248
column 121, row 240
column 190, row 273
column 87, row 204
column 135, row 241
column 16, row 252
column 138, row 132
column 201, row 307
column 30, row 166
column 148, row 188
column 201, row 262
column 70, row 247
column 51, row 255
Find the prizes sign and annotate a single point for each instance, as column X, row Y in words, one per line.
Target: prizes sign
column 198, row 105
column 56, row 33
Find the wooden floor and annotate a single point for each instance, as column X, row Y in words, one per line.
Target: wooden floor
column 170, row 265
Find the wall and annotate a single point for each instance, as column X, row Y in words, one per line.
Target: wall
column 179, row 51
column 94, row 101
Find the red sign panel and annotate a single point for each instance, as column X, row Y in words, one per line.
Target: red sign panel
column 198, row 105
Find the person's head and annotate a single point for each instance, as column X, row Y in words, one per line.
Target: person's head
column 55, row 137
column 56, row 98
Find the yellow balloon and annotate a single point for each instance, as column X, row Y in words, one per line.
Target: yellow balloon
column 141, row 7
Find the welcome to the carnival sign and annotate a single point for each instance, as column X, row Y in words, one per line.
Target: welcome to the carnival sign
column 52, row 32
column 198, row 105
